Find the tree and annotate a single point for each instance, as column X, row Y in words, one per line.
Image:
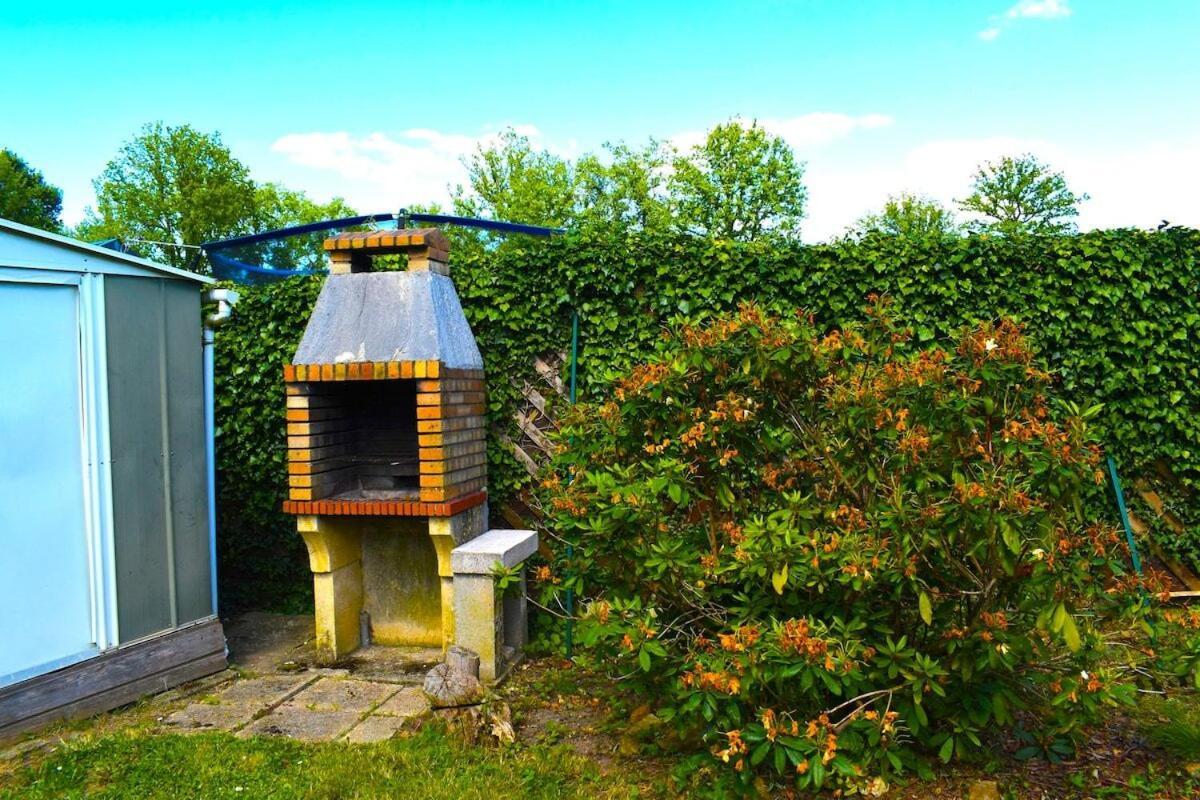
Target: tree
column 169, row 189
column 627, row 190
column 1022, row 195
column 25, row 196
column 909, row 216
column 740, row 183
column 510, row 180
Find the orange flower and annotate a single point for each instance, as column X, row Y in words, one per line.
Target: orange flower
column 735, row 747
column 737, row 642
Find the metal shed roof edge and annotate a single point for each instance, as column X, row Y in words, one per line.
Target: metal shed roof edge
column 103, row 252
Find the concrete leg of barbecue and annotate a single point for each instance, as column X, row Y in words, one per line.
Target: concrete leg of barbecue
column 335, row 558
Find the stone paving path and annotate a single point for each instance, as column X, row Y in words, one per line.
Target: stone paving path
column 310, row 706
column 369, row 699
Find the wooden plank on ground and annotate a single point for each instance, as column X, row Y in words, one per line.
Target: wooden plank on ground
column 114, row 677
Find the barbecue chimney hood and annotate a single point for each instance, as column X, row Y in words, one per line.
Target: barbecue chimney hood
column 385, row 392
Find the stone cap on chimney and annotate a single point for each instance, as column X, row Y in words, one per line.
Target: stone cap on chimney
column 400, row 241
column 428, row 249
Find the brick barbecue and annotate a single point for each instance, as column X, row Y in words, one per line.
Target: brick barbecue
column 387, row 463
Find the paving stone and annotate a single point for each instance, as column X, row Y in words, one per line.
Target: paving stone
column 408, row 702
column 262, row 692
column 375, row 729
column 300, row 723
column 23, row 749
column 207, row 716
column 338, row 694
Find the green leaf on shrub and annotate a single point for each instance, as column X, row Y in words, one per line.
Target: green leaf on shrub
column 780, row 760
column 1011, row 538
column 1070, row 633
column 779, row 579
column 947, row 750
column 926, row 608
column 1059, row 618
column 817, row 772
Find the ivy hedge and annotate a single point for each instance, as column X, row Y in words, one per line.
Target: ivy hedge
column 1115, row 313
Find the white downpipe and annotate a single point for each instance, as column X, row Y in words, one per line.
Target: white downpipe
column 225, row 300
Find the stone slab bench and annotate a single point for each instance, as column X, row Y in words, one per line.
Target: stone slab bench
column 491, row 622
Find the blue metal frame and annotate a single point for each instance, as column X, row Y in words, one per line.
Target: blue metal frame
column 295, row 230
column 483, row 224
column 229, row 268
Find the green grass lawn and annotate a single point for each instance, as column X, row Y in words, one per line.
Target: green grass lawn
column 139, row 764
column 1150, row 751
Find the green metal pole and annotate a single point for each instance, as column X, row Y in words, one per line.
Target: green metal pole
column 570, row 637
column 1116, row 482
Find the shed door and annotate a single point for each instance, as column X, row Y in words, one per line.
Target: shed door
column 45, row 581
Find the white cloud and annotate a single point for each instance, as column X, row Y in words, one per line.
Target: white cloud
column 379, row 171
column 1025, row 9
column 1135, row 186
column 1039, row 9
column 804, row 132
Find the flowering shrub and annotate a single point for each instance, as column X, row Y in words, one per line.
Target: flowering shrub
column 829, row 556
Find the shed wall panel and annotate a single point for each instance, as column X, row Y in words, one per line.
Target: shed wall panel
column 135, row 314
column 185, row 409
column 158, row 467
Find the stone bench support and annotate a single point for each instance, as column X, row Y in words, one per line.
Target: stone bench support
column 490, row 622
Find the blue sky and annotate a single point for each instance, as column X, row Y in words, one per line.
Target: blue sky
column 378, row 103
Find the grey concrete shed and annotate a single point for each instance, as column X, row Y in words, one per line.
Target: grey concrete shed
column 107, row 585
